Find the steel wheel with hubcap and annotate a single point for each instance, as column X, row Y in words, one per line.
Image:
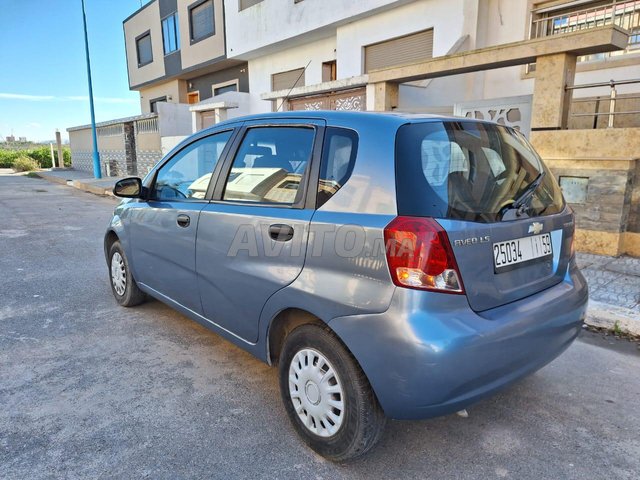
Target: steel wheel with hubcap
column 123, row 285
column 327, row 395
column 316, row 392
column 118, row 274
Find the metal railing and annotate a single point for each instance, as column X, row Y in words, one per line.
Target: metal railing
column 612, row 98
column 147, row 125
column 623, row 13
column 111, row 130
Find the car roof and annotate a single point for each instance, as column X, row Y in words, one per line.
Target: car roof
column 331, row 116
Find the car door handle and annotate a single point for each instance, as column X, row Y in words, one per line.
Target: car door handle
column 280, row 232
column 184, row 220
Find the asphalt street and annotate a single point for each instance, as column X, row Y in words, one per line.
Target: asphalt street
column 92, row 390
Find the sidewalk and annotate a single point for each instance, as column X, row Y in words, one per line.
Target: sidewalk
column 614, row 291
column 80, row 180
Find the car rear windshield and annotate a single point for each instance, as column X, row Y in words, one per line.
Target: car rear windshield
column 469, row 171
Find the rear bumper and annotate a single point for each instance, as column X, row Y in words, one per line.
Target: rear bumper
column 429, row 354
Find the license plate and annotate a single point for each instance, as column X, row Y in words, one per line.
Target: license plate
column 520, row 250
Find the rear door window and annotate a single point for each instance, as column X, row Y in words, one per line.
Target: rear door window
column 468, row 171
column 270, row 165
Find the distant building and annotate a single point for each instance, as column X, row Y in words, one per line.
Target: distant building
column 10, row 138
column 22, row 139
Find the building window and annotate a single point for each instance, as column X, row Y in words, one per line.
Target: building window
column 329, row 71
column 414, row 48
column 170, row 35
column 153, row 103
column 143, row 49
column 201, row 20
column 225, row 87
column 287, row 80
column 242, row 4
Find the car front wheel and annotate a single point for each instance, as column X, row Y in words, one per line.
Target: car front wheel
column 123, row 285
column 327, row 395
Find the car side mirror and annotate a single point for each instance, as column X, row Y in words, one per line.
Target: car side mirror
column 128, row 188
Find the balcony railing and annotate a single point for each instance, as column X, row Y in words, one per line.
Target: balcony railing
column 612, row 98
column 623, row 13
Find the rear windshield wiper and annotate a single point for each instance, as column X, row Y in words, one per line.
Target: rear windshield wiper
column 528, row 192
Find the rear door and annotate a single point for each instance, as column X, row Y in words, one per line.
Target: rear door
column 252, row 237
column 164, row 226
column 468, row 175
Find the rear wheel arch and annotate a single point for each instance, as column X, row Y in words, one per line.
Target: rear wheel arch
column 288, row 320
column 282, row 324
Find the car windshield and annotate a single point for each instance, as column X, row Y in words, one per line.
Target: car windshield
column 469, row 171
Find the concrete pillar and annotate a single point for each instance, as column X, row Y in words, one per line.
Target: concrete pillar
column 195, row 121
column 60, row 154
column 382, row 96
column 279, row 105
column 551, row 102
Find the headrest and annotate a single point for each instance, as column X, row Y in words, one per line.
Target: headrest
column 257, row 150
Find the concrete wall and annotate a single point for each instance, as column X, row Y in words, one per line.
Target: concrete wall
column 174, row 90
column 122, row 154
column 111, row 148
column 313, row 19
column 173, row 119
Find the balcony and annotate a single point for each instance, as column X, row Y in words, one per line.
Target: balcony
column 624, row 14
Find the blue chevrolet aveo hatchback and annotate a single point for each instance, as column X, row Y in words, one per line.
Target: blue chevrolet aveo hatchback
column 392, row 266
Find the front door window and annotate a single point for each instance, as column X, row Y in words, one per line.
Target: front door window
column 188, row 174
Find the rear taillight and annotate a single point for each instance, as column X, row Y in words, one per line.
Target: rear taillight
column 419, row 255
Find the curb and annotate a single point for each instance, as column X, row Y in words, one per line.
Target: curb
column 80, row 185
column 604, row 315
column 92, row 188
column 51, row 178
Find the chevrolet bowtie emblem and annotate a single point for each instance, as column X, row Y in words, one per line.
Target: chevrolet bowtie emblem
column 535, row 227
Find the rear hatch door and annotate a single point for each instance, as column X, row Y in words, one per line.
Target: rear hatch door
column 503, row 262
column 469, row 176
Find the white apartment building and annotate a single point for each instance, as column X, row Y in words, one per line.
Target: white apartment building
column 325, row 48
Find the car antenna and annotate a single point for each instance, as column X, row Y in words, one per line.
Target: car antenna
column 292, row 87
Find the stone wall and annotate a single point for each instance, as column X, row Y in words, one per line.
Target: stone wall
column 608, row 220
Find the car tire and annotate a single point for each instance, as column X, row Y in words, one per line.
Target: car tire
column 327, row 395
column 123, row 285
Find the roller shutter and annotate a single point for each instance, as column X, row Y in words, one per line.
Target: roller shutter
column 287, row 80
column 417, row 47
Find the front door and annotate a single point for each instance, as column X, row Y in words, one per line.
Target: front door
column 252, row 238
column 164, row 228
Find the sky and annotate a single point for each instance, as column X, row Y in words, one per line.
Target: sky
column 43, row 72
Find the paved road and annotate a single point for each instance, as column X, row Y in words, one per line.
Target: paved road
column 91, row 390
